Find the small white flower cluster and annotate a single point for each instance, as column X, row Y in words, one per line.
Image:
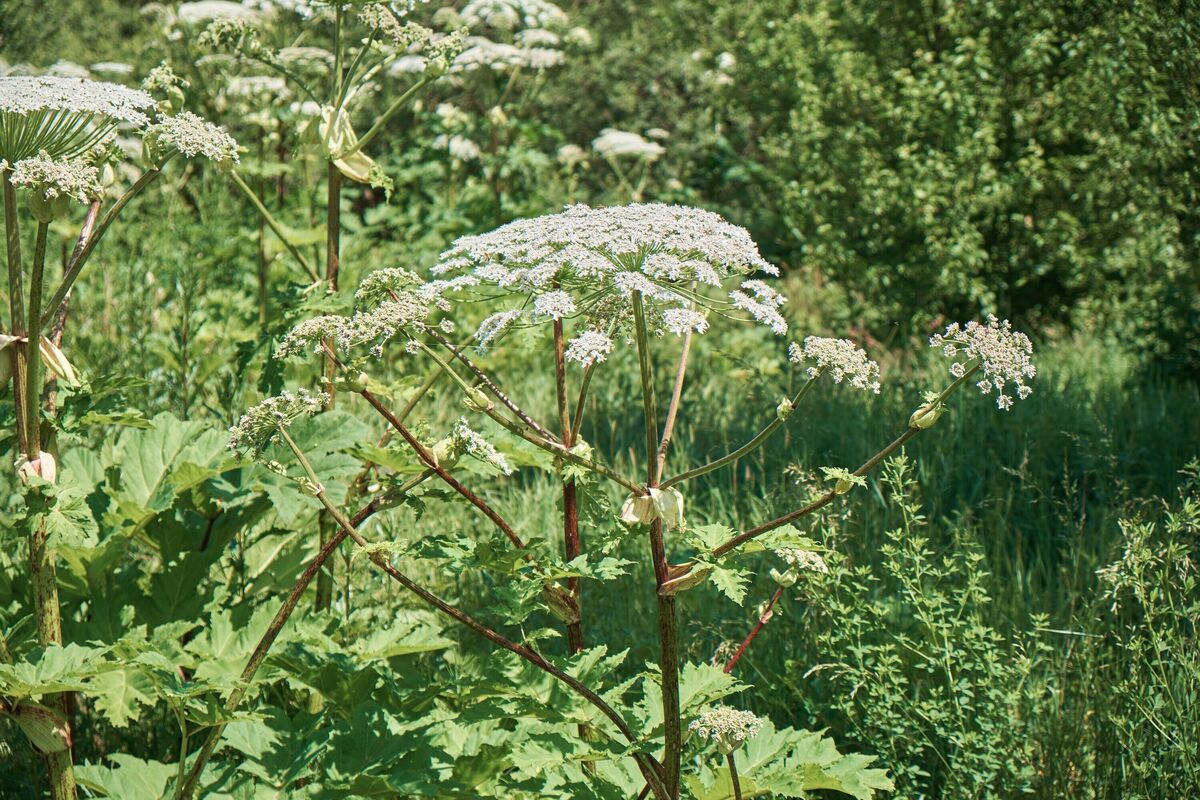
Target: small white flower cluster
column 588, row 348
column 260, row 425
column 613, row 143
column 587, row 262
column 55, row 178
column 192, row 136
column 803, row 560
column 1003, row 355
column 508, row 15
column 460, row 147
column 201, row 11
column 26, row 95
column 479, row 51
column 392, row 301
column 162, row 79
column 841, row 357
column 727, row 727
column 478, row 447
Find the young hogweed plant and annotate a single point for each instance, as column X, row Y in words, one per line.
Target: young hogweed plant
column 592, row 280
column 57, row 153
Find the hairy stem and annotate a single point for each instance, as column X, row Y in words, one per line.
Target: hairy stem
column 733, row 777
column 763, row 619
column 430, row 461
column 458, row 615
column 571, row 544
column 333, row 238
column 668, row 632
column 490, row 385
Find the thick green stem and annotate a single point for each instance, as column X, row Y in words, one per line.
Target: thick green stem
column 668, row 632
column 33, row 350
column 16, row 306
column 733, row 777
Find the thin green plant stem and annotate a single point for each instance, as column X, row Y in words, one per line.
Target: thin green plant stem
column 831, row 495
column 673, row 406
column 489, row 384
column 76, row 264
column 458, row 615
column 382, row 121
column 273, row 224
column 185, row 791
column 749, row 447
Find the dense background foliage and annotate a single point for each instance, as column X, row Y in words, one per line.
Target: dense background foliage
column 1011, row 610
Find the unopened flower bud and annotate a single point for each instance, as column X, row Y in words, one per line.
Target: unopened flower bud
column 924, row 417
column 356, row 382
column 784, row 579
column 47, row 209
column 44, row 467
column 784, row 409
column 446, row 452
column 477, row 400
column 681, row 577
column 843, row 486
column 561, row 602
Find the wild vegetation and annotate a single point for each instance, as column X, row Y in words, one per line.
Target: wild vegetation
column 678, row 400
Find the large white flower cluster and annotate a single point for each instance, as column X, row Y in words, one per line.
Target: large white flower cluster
column 586, row 264
column 842, row 358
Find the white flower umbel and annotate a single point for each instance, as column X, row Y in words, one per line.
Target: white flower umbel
column 508, row 15
column 727, row 727
column 260, row 426
column 841, row 358
column 1001, row 353
column 58, row 178
column 190, row 135
column 66, row 117
column 203, row 11
column 676, row 258
column 614, row 143
column 803, row 560
column 478, row 447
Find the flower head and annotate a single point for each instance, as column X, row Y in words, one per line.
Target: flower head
column 261, row 425
column 588, row 263
column 208, row 10
column 66, row 117
column 614, row 143
column 1000, row 352
column 190, row 135
column 803, row 560
column 727, row 727
column 844, row 360
column 58, row 178
column 478, row 447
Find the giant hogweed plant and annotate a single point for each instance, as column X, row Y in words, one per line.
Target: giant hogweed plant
column 377, row 62
column 57, row 153
column 649, row 278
